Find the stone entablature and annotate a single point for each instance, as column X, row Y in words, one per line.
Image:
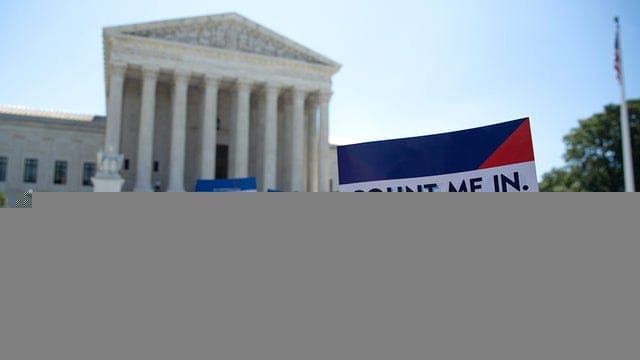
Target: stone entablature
column 49, row 119
column 140, row 53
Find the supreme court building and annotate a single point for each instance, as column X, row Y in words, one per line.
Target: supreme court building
column 207, row 97
column 216, row 97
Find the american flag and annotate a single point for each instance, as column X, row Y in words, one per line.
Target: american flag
column 616, row 56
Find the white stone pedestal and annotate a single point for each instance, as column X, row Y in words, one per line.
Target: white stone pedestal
column 107, row 183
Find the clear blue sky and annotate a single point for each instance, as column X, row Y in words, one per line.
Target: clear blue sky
column 410, row 68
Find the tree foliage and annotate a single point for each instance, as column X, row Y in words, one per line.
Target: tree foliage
column 593, row 153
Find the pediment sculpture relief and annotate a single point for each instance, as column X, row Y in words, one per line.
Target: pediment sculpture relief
column 231, row 36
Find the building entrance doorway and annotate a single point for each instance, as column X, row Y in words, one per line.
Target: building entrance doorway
column 222, row 161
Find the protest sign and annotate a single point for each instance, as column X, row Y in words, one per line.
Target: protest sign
column 227, row 185
column 494, row 158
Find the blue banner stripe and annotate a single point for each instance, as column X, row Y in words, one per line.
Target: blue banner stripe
column 225, row 185
column 452, row 152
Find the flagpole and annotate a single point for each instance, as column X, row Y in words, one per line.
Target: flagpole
column 629, row 183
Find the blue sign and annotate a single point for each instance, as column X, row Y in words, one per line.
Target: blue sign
column 227, row 185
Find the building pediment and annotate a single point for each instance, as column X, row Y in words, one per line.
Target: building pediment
column 226, row 31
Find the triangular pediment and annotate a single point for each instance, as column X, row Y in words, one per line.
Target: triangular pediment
column 226, row 31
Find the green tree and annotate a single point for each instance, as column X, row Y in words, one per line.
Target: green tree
column 560, row 180
column 593, row 153
column 3, row 200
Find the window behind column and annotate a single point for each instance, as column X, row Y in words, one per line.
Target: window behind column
column 30, row 170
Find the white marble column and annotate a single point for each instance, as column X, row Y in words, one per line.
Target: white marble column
column 312, row 146
column 145, row 133
column 323, row 143
column 285, row 117
column 270, row 140
column 178, row 132
column 239, row 144
column 295, row 167
column 209, row 129
column 114, row 106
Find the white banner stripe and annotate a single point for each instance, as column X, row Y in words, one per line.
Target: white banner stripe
column 510, row 178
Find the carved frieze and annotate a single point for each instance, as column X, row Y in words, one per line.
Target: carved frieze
column 228, row 35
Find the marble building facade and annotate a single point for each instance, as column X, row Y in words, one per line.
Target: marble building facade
column 216, row 96
column 47, row 151
column 208, row 97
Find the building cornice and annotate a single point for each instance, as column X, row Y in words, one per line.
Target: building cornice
column 212, row 62
column 23, row 111
column 54, row 120
column 178, row 50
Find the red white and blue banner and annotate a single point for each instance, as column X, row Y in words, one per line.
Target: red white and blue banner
column 494, row 158
column 226, row 185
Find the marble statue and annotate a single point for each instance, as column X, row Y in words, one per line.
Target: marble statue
column 109, row 162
